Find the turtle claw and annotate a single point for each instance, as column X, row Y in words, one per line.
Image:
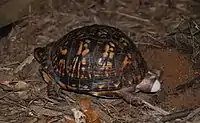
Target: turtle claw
column 54, row 92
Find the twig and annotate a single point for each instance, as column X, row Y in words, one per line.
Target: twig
column 5, row 69
column 163, row 112
column 28, row 60
column 176, row 115
column 132, row 99
column 189, row 83
column 129, row 16
column 193, row 113
column 148, row 44
column 133, row 17
column 8, row 64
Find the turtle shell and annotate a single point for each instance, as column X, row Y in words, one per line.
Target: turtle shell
column 94, row 59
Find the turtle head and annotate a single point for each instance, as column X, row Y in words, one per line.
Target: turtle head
column 40, row 55
column 150, row 83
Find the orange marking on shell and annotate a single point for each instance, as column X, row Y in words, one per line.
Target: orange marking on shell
column 107, row 48
column 100, row 61
column 63, row 52
column 83, row 61
column 109, row 64
column 100, row 86
column 83, row 68
column 88, row 41
column 74, row 66
column 105, row 54
column 111, row 55
column 80, row 48
column 78, row 72
column 113, row 45
column 82, row 76
column 85, row 52
column 129, row 55
column 61, row 62
column 125, row 62
column 111, row 49
column 125, row 44
column 86, row 45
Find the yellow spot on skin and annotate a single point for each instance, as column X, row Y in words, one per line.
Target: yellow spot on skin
column 83, row 61
column 46, row 77
column 85, row 52
column 111, row 55
column 63, row 52
column 80, row 48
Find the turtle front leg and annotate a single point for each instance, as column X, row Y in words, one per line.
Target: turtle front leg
column 128, row 94
column 53, row 90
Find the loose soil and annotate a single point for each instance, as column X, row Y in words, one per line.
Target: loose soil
column 177, row 70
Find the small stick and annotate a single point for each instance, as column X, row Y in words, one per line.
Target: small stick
column 28, row 60
column 148, row 44
column 8, row 64
column 175, row 115
column 130, row 99
column 163, row 112
column 133, row 17
column 129, row 16
column 193, row 113
column 5, row 69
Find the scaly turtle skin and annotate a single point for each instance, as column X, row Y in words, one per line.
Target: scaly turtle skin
column 98, row 60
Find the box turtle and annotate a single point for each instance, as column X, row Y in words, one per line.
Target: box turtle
column 99, row 60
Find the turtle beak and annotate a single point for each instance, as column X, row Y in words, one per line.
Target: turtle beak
column 150, row 83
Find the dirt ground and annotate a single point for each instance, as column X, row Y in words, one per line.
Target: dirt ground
column 152, row 25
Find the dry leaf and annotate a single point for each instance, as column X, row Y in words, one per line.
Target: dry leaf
column 79, row 116
column 91, row 115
